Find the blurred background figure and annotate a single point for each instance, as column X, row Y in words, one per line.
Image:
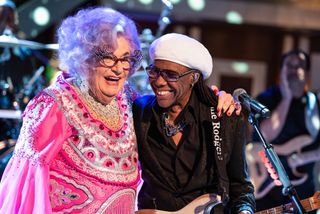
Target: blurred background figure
column 293, row 129
column 14, row 64
column 19, row 81
column 139, row 80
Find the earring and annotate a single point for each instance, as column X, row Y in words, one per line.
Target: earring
column 81, row 83
column 194, row 80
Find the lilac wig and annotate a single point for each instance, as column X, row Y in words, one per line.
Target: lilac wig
column 81, row 35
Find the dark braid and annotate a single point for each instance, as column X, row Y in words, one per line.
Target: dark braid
column 204, row 93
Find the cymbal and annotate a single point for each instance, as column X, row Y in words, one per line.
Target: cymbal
column 9, row 41
column 10, row 114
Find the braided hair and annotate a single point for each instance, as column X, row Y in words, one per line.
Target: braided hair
column 204, row 93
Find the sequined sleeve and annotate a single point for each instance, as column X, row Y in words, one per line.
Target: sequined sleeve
column 25, row 182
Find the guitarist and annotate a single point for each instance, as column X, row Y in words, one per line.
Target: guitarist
column 187, row 145
column 295, row 113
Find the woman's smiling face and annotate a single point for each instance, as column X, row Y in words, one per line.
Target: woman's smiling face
column 107, row 82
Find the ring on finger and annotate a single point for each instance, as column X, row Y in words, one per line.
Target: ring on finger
column 237, row 105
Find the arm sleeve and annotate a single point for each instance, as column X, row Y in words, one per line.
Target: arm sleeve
column 240, row 189
column 24, row 186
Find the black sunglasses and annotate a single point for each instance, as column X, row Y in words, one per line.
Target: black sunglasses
column 169, row 75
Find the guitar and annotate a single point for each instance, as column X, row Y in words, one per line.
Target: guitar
column 308, row 205
column 202, row 204
column 291, row 157
column 199, row 205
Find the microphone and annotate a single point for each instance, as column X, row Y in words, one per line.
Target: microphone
column 255, row 107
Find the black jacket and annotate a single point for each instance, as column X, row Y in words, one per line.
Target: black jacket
column 233, row 181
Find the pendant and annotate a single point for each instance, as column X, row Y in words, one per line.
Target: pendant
column 171, row 130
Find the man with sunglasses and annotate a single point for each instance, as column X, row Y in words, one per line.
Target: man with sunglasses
column 187, row 146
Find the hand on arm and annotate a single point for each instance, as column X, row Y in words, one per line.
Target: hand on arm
column 226, row 103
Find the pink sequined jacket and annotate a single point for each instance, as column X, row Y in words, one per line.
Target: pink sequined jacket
column 68, row 160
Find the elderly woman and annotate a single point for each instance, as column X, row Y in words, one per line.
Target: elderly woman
column 76, row 152
column 77, row 148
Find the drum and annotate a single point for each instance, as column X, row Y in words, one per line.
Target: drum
column 6, row 151
column 5, row 96
column 10, row 114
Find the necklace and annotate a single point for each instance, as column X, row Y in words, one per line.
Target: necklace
column 170, row 129
column 109, row 114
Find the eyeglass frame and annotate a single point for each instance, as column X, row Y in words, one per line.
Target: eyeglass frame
column 101, row 54
column 162, row 72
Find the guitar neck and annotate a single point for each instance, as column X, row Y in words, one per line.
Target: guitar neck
column 307, row 204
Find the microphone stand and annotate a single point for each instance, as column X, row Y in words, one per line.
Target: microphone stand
column 288, row 189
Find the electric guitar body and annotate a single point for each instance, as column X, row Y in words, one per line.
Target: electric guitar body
column 201, row 205
column 204, row 203
column 290, row 155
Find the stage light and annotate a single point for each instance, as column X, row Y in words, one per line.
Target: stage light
column 240, row 67
column 197, row 5
column 146, row 2
column 41, row 16
column 166, row 20
column 234, row 17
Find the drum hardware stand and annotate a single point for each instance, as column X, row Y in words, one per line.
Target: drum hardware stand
column 5, row 55
column 287, row 189
column 26, row 90
column 139, row 80
column 164, row 19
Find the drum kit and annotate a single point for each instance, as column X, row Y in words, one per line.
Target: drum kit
column 5, row 100
column 11, row 42
column 11, row 106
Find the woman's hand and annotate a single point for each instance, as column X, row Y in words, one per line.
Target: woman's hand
column 226, row 102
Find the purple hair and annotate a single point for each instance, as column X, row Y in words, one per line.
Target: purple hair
column 79, row 36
